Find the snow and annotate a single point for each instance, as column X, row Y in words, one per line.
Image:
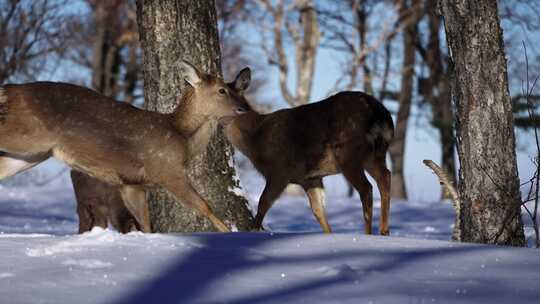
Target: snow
column 45, row 261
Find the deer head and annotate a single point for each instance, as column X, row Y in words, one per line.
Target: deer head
column 209, row 96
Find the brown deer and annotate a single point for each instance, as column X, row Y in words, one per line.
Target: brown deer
column 349, row 132
column 103, row 138
column 99, row 204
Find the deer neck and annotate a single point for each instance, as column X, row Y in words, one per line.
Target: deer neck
column 196, row 127
column 187, row 117
column 240, row 132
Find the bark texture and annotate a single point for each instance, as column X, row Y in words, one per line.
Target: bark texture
column 489, row 185
column 410, row 15
column 170, row 31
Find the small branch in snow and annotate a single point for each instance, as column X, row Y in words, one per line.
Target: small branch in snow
column 448, row 184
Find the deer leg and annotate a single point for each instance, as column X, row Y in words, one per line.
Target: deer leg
column 91, row 210
column 121, row 219
column 271, row 192
column 135, row 200
column 10, row 166
column 86, row 220
column 182, row 189
column 91, row 216
column 358, row 179
column 382, row 176
column 315, row 191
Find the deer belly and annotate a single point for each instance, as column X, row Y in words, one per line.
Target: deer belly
column 323, row 165
column 89, row 165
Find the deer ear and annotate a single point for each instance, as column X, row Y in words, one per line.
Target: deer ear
column 190, row 73
column 241, row 83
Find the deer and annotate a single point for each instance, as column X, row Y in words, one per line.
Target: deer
column 103, row 138
column 347, row 133
column 99, row 203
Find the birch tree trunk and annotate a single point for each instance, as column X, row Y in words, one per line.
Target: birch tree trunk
column 489, row 184
column 169, row 31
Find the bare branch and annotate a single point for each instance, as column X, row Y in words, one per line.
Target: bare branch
column 448, row 184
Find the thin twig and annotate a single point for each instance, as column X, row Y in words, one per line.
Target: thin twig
column 530, row 110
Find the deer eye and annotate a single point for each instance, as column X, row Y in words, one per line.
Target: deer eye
column 222, row 91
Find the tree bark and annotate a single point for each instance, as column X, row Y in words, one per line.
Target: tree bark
column 488, row 181
column 397, row 148
column 170, row 31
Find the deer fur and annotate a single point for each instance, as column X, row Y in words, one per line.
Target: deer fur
column 114, row 142
column 102, row 205
column 346, row 133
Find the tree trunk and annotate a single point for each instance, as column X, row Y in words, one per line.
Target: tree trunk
column 106, row 59
column 446, row 133
column 409, row 15
column 438, row 93
column 170, row 31
column 489, row 184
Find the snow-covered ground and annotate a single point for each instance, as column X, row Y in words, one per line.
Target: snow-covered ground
column 44, row 261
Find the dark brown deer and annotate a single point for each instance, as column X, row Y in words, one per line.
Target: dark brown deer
column 99, row 204
column 117, row 143
column 346, row 133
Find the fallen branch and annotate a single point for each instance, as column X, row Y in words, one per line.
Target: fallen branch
column 448, row 184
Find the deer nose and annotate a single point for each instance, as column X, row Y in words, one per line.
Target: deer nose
column 241, row 110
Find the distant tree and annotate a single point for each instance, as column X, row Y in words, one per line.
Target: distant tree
column 522, row 20
column 106, row 42
column 31, row 33
column 490, row 210
column 236, row 51
column 435, row 88
column 410, row 15
column 298, row 22
column 187, row 30
column 346, row 28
